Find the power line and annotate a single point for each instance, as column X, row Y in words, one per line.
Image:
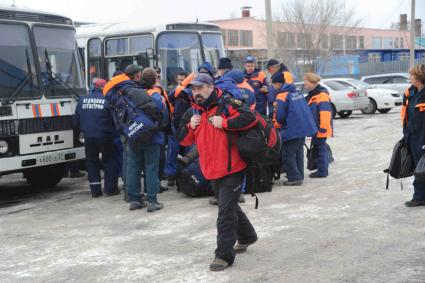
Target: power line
column 397, row 10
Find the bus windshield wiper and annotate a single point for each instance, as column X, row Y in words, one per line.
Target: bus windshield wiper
column 28, row 79
column 52, row 76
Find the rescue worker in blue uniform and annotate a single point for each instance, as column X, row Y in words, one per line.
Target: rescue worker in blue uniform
column 320, row 106
column 295, row 122
column 273, row 67
column 94, row 119
column 257, row 79
column 180, row 99
column 246, row 91
column 413, row 117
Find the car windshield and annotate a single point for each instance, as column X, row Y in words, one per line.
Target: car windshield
column 178, row 52
column 61, row 73
column 359, row 84
column 18, row 76
column 213, row 47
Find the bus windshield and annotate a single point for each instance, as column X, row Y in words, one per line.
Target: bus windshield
column 61, row 73
column 18, row 76
column 178, row 51
column 213, row 47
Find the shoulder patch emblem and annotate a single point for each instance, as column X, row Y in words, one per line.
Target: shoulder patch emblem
column 236, row 101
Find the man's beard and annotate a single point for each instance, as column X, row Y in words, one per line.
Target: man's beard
column 199, row 99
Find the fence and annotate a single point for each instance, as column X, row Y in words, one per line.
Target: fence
column 372, row 68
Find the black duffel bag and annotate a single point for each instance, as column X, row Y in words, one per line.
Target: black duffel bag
column 401, row 164
column 311, row 157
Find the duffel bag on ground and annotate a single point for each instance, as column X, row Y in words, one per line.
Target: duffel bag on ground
column 191, row 181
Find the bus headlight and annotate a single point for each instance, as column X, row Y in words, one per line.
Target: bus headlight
column 4, row 147
column 81, row 138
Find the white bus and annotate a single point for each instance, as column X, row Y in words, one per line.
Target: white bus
column 41, row 79
column 173, row 47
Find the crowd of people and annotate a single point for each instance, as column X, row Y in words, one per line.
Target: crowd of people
column 201, row 109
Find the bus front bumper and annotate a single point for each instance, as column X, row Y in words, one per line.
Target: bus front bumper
column 21, row 162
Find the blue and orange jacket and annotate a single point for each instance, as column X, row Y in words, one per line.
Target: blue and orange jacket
column 216, row 158
column 119, row 81
column 257, row 80
column 248, row 95
column 246, row 91
column 180, row 97
column 93, row 116
column 289, row 79
column 292, row 116
column 161, row 100
column 181, row 103
column 227, row 84
column 320, row 106
column 414, row 125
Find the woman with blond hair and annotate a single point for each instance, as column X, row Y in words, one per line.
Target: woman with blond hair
column 320, row 106
column 413, row 117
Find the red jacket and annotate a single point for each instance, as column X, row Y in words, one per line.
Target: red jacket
column 213, row 143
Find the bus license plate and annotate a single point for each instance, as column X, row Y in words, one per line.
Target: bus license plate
column 49, row 159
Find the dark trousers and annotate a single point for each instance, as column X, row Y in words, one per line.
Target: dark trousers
column 146, row 157
column 293, row 159
column 118, row 156
column 322, row 156
column 105, row 146
column 416, row 150
column 232, row 223
column 172, row 153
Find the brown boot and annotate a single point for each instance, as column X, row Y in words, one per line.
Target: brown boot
column 219, row 264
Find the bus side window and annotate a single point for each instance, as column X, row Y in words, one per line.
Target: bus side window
column 94, row 60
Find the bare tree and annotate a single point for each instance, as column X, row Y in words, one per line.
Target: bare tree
column 307, row 29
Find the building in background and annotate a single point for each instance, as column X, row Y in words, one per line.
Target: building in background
column 247, row 35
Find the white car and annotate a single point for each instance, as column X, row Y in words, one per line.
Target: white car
column 344, row 100
column 396, row 81
column 380, row 99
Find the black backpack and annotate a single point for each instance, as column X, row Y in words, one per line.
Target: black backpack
column 260, row 144
column 260, row 177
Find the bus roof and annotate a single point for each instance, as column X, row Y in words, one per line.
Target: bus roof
column 31, row 15
column 126, row 28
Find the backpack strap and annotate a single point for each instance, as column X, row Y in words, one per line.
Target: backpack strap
column 250, row 182
column 222, row 108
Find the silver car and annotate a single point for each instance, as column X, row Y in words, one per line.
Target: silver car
column 344, row 100
column 396, row 81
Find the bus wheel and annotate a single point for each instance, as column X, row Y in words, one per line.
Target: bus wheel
column 46, row 176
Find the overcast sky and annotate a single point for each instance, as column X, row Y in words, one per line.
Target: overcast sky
column 377, row 14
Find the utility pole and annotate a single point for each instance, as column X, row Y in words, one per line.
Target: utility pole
column 412, row 35
column 269, row 29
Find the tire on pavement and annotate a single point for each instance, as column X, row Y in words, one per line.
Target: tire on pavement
column 46, row 176
column 371, row 108
column 345, row 114
column 384, row 111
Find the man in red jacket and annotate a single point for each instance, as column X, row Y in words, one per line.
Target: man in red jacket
column 221, row 162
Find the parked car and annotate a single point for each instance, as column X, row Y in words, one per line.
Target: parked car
column 396, row 81
column 344, row 100
column 380, row 99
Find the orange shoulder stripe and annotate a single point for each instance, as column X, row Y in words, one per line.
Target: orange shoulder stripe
column 113, row 82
